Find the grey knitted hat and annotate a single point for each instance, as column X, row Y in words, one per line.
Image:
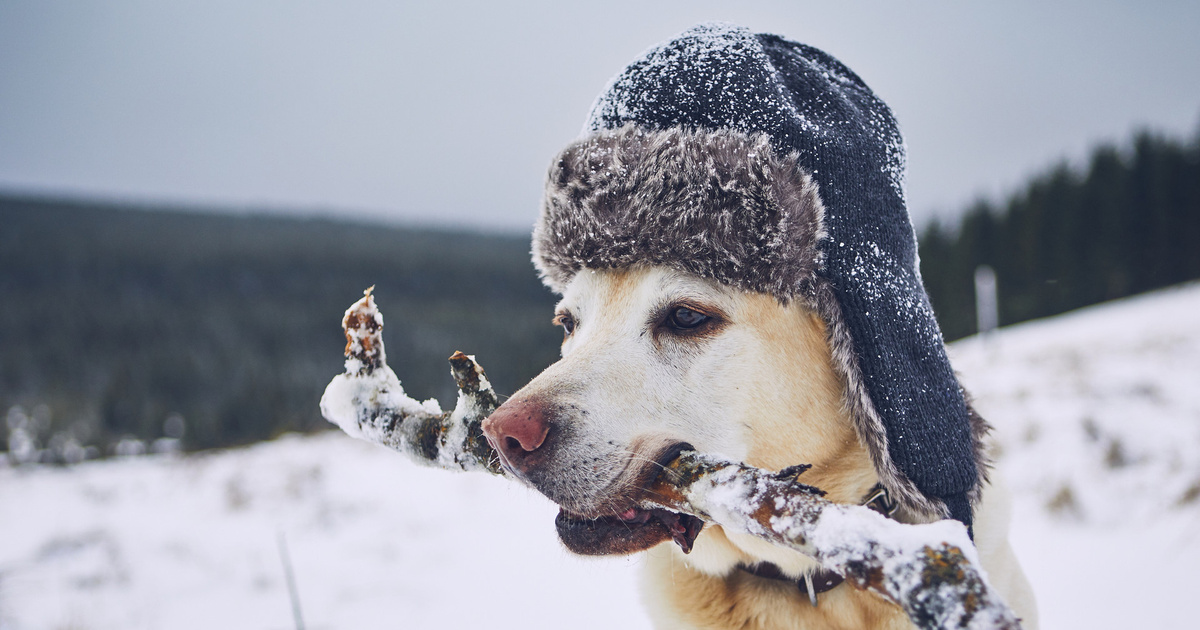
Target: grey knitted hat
column 768, row 165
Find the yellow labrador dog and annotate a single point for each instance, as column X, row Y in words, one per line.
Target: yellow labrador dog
column 738, row 276
column 654, row 357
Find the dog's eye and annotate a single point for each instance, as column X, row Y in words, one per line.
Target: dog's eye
column 566, row 321
column 684, row 318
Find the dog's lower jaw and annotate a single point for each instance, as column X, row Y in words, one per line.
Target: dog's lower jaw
column 621, row 535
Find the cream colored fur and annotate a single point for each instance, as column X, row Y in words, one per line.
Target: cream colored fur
column 763, row 390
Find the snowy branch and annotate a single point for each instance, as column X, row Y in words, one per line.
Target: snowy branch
column 932, row 570
column 368, row 402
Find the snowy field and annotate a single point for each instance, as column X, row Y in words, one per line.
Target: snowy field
column 1098, row 426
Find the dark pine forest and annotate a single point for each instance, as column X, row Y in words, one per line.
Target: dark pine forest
column 113, row 320
column 1126, row 223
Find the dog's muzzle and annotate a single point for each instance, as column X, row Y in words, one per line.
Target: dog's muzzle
column 526, row 436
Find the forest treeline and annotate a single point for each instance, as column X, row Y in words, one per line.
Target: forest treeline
column 120, row 323
column 1126, row 222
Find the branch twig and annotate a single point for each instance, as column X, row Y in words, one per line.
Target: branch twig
column 290, row 576
column 931, row 570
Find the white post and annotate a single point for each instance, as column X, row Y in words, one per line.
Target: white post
column 986, row 307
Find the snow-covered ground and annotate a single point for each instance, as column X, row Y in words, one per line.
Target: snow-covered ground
column 1098, row 425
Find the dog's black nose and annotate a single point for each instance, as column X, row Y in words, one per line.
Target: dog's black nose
column 517, row 430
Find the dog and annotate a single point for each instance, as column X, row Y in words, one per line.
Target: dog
column 654, row 361
column 738, row 276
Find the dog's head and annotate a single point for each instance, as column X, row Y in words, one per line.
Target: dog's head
column 655, row 361
column 726, row 183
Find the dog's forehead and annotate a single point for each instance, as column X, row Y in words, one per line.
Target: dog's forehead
column 637, row 288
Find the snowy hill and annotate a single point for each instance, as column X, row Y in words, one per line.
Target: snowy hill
column 1098, row 431
column 1098, row 428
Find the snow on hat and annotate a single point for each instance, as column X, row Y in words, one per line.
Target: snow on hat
column 768, row 165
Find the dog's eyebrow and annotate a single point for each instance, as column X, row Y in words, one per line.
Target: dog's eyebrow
column 563, row 307
column 687, row 286
column 681, row 291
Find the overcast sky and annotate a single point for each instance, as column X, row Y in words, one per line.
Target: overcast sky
column 449, row 112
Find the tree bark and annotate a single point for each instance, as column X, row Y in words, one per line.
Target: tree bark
column 932, row 570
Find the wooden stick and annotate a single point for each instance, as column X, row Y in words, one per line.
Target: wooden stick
column 932, row 570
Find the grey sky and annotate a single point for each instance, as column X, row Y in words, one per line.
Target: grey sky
column 449, row 112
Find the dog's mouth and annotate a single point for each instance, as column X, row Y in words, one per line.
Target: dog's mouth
column 633, row 528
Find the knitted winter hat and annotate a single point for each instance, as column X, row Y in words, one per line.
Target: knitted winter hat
column 768, row 165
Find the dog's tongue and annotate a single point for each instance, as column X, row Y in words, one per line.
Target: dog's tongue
column 634, row 516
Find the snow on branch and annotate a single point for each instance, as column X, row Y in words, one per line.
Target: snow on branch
column 932, row 571
column 368, row 402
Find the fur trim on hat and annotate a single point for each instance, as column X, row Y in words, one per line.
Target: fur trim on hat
column 718, row 204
